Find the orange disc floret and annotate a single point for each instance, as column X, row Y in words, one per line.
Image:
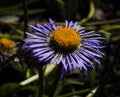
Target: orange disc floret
column 66, row 37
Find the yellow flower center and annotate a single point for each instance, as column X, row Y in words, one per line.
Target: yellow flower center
column 65, row 39
column 6, row 43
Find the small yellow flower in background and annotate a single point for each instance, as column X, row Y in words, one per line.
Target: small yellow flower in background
column 7, row 46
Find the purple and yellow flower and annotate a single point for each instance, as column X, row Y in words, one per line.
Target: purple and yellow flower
column 69, row 45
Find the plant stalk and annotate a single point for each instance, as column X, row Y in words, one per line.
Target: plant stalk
column 56, row 80
column 25, row 16
column 40, row 82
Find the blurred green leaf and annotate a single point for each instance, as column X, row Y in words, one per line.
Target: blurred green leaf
column 29, row 87
column 110, row 27
column 15, row 5
column 17, row 66
column 75, row 93
column 106, row 33
column 61, row 2
column 20, row 31
column 90, row 14
column 14, row 37
column 93, row 76
column 72, row 82
column 20, row 12
column 16, row 8
column 59, row 88
column 8, row 88
column 28, row 73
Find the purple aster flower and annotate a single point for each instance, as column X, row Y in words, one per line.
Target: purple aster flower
column 69, row 45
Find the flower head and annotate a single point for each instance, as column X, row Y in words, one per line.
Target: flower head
column 7, row 46
column 69, row 45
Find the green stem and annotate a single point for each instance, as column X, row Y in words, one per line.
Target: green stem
column 57, row 78
column 40, row 82
column 25, row 16
column 85, row 91
column 75, row 93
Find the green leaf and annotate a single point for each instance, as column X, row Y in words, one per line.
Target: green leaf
column 17, row 66
column 20, row 12
column 29, row 87
column 74, row 82
column 90, row 14
column 8, row 88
